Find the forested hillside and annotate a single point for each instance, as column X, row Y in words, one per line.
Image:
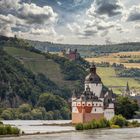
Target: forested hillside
column 26, row 74
column 86, row 49
column 19, row 85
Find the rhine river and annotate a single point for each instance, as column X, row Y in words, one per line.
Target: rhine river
column 44, row 126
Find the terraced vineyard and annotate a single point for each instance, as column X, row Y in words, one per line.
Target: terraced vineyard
column 37, row 63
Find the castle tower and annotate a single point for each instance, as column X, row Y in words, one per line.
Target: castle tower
column 94, row 103
column 93, row 80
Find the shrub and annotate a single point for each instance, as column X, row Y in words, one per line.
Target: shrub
column 7, row 115
column 87, row 126
column 3, row 130
column 79, row 126
column 103, row 123
column 119, row 120
column 115, row 126
column 93, row 124
column 7, row 129
column 135, row 123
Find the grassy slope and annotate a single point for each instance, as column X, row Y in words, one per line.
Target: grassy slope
column 38, row 64
column 109, row 79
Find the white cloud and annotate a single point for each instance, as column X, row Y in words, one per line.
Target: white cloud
column 134, row 13
column 35, row 14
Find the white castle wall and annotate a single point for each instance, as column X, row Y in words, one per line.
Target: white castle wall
column 97, row 110
column 97, row 107
column 109, row 114
column 95, row 88
column 75, row 110
column 111, row 105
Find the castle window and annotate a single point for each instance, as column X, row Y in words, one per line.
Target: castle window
column 95, row 109
column 100, row 104
column 96, row 104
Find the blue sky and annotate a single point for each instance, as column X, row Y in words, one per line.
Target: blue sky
column 72, row 21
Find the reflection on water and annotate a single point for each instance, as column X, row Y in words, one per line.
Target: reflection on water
column 98, row 134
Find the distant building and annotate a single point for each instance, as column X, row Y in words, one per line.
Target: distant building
column 72, row 55
column 132, row 94
column 95, row 102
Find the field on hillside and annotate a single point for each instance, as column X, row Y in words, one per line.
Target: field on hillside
column 38, row 64
column 110, row 79
column 119, row 58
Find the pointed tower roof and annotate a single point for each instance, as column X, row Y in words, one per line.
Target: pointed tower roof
column 93, row 77
column 127, row 87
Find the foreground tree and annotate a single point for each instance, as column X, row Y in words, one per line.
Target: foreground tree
column 126, row 106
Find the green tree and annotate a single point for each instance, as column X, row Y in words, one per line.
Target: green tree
column 51, row 102
column 7, row 115
column 24, row 108
column 126, row 106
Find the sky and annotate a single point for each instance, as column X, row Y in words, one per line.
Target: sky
column 72, row 21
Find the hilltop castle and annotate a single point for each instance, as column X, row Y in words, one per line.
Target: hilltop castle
column 71, row 54
column 95, row 102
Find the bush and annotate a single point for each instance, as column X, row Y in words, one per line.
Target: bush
column 87, row 126
column 7, row 115
column 8, row 130
column 115, row 126
column 102, row 123
column 135, row 123
column 79, row 126
column 119, row 120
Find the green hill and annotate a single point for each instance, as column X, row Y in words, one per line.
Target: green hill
column 19, row 85
column 55, row 74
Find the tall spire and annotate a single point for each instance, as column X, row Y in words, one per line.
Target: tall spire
column 127, row 87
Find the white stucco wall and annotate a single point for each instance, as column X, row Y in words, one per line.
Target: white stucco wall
column 109, row 113
column 75, row 110
column 95, row 88
column 97, row 110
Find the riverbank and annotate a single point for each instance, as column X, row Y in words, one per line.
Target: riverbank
column 97, row 134
column 31, row 127
column 118, row 121
column 38, row 127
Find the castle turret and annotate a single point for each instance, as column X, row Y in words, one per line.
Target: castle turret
column 93, row 80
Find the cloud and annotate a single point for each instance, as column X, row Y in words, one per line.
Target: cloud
column 82, row 31
column 23, row 19
column 7, row 5
column 42, row 31
column 35, row 14
column 134, row 13
column 6, row 30
column 107, row 7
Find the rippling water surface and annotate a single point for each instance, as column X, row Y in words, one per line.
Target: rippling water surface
column 98, row 134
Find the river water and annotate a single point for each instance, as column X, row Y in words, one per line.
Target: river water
column 98, row 134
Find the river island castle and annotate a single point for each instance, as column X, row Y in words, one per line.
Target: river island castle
column 95, row 102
